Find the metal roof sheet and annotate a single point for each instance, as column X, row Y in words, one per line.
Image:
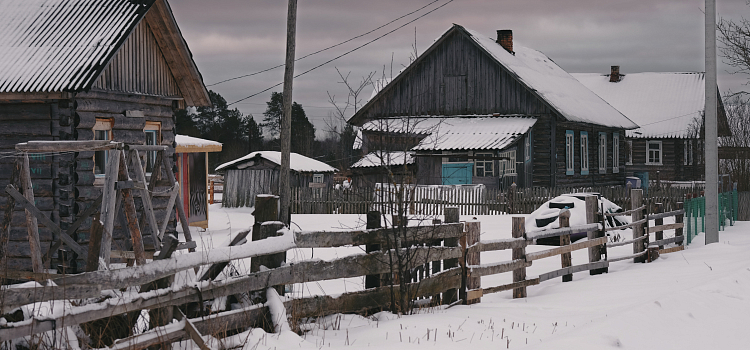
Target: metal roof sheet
column 382, row 158
column 297, row 162
column 61, row 45
column 664, row 105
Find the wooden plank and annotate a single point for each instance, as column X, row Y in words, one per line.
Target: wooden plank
column 8, row 214
column 180, row 209
column 500, row 244
column 95, row 243
column 665, row 227
column 665, row 215
column 378, row 236
column 170, row 205
column 74, row 226
column 109, row 204
column 565, row 249
column 573, row 269
column 32, row 226
column 555, row 232
column 633, row 256
column 495, row 268
column 514, row 285
column 130, row 213
column 632, row 224
column 565, row 258
column 618, row 244
column 672, row 250
column 624, row 213
column 14, row 297
column 194, row 335
column 662, row 242
column 474, row 294
column 21, row 201
column 66, row 146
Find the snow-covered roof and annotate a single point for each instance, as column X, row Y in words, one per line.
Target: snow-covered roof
column 382, row 158
column 662, row 104
column 297, row 162
column 60, row 45
column 563, row 92
column 457, row 133
column 189, row 144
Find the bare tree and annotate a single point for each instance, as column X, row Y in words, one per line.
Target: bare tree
column 738, row 118
column 734, row 40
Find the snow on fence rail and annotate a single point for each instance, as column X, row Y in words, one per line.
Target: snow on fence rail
column 452, row 246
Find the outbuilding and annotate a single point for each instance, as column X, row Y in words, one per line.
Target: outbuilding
column 258, row 173
column 192, row 165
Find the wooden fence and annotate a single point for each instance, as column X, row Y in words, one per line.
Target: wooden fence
column 445, row 268
column 470, row 199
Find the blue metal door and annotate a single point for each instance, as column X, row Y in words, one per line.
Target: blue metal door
column 457, row 173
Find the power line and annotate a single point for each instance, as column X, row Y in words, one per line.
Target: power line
column 327, row 48
column 348, row 52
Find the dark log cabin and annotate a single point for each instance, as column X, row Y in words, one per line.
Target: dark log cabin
column 669, row 109
column 108, row 70
column 466, row 75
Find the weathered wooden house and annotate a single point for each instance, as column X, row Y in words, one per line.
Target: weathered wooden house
column 192, row 174
column 87, row 70
column 258, row 173
column 669, row 109
column 492, row 105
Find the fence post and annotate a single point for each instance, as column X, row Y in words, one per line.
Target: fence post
column 511, row 205
column 636, row 201
column 679, row 219
column 373, row 222
column 451, row 216
column 470, row 237
column 266, row 224
column 211, row 192
column 657, row 222
column 595, row 253
column 519, row 231
column 565, row 240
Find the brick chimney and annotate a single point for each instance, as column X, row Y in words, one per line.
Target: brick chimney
column 505, row 39
column 614, row 75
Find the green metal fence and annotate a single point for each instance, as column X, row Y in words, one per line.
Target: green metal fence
column 695, row 213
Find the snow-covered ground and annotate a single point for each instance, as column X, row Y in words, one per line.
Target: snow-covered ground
column 695, row 299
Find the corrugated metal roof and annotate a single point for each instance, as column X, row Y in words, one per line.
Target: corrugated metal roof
column 663, row 104
column 382, row 158
column 61, row 45
column 458, row 133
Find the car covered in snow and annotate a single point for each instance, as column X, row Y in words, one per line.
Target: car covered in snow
column 546, row 216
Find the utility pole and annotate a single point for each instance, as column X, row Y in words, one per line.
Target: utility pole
column 711, row 144
column 286, row 118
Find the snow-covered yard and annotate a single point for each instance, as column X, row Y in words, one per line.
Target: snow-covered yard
column 695, row 299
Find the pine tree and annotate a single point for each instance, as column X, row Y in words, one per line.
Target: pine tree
column 303, row 132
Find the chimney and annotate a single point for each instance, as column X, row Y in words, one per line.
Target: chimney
column 614, row 75
column 505, row 39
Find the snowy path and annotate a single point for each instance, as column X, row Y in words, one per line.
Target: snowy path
column 695, row 299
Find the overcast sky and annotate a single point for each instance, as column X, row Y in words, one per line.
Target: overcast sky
column 229, row 38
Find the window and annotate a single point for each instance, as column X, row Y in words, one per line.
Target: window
column 688, row 152
column 629, row 145
column 508, row 166
column 699, row 152
column 102, row 131
column 584, row 153
column 318, row 178
column 615, row 152
column 569, row 152
column 484, row 165
column 527, row 148
column 602, row 153
column 653, row 152
column 152, row 131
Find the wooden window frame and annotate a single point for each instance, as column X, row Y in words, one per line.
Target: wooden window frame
column 584, row 152
column 630, row 152
column 150, row 156
column 511, row 168
column 102, row 124
column 602, row 152
column 648, row 150
column 615, row 152
column 482, row 163
column 317, row 177
column 569, row 152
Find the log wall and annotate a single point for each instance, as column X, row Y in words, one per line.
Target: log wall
column 594, row 178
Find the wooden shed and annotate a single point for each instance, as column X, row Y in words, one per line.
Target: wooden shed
column 106, row 70
column 258, row 173
column 575, row 139
column 192, row 167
